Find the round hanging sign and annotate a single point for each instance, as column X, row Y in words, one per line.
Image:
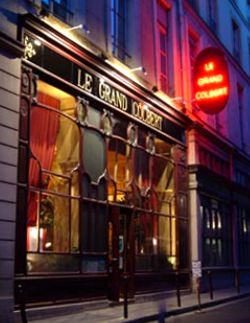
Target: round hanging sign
column 211, row 80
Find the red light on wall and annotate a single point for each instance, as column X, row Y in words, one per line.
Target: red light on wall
column 211, row 81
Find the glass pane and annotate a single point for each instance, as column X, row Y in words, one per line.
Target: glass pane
column 141, row 168
column 163, row 83
column 102, row 190
column 52, row 263
column 75, row 225
column 164, row 65
column 51, row 230
column 163, row 42
column 120, row 128
column 94, row 154
column 122, row 174
column 142, row 136
column 93, row 264
column 111, row 191
column 162, row 178
column 54, row 142
column 56, row 234
column 120, row 165
column 94, row 228
column 112, row 157
column 94, row 117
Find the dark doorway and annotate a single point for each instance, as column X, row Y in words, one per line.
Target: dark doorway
column 121, row 252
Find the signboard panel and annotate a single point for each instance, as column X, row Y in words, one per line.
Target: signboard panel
column 99, row 87
column 196, row 269
column 211, row 81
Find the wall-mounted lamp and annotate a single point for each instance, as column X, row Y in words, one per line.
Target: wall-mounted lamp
column 43, row 13
column 139, row 68
column 103, row 56
column 181, row 102
column 80, row 26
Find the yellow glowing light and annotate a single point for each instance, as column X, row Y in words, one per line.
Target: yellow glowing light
column 215, row 93
column 33, row 232
column 154, row 241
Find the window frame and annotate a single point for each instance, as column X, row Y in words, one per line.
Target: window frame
column 163, row 28
column 236, row 37
column 119, row 29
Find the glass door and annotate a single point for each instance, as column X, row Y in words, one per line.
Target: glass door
column 121, row 253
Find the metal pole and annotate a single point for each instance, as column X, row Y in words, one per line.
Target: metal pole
column 22, row 303
column 237, row 280
column 210, row 282
column 125, row 307
column 198, row 292
column 178, row 293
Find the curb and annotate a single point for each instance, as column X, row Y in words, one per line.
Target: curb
column 192, row 308
column 51, row 311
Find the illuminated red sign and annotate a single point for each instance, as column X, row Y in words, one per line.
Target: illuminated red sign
column 211, row 81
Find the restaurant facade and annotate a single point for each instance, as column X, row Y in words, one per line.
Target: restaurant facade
column 111, row 180
column 102, row 180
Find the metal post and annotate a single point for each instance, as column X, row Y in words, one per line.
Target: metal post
column 125, row 303
column 22, row 303
column 210, row 283
column 198, row 289
column 178, row 293
column 237, row 280
column 125, row 272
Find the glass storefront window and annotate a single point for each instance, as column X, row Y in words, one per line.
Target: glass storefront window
column 217, row 239
column 243, row 215
column 83, row 159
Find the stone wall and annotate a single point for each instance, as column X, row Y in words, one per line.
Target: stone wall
column 9, row 125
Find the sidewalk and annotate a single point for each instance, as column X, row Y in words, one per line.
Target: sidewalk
column 137, row 312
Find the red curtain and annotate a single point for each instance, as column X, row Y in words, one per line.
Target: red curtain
column 44, row 125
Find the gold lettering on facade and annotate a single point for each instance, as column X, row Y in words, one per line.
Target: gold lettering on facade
column 84, row 81
column 113, row 96
column 142, row 112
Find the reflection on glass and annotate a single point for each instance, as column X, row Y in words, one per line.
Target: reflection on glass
column 141, row 168
column 119, row 166
column 53, row 218
column 93, row 154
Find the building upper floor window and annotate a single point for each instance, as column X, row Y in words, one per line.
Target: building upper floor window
column 249, row 57
column 240, row 93
column 59, row 8
column 243, row 216
column 216, row 233
column 118, row 28
column 236, row 40
column 193, row 42
column 193, row 48
column 194, row 4
column 163, row 46
column 212, row 14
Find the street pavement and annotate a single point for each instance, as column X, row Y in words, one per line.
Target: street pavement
column 231, row 312
column 142, row 310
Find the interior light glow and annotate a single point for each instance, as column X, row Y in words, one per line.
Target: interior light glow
column 37, row 42
column 154, row 240
column 33, row 232
column 48, row 245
